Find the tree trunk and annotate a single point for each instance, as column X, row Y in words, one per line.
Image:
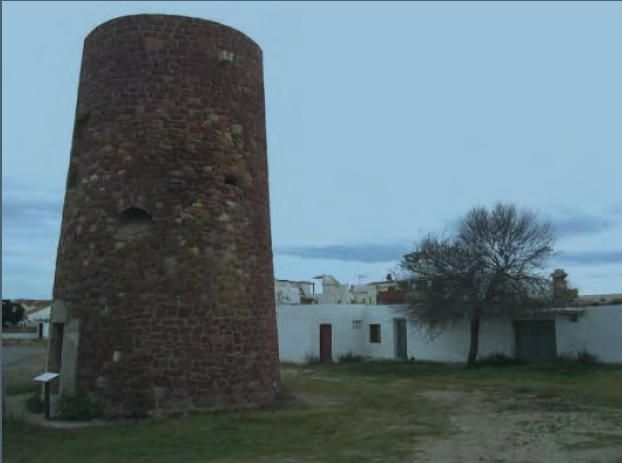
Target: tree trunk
column 474, row 341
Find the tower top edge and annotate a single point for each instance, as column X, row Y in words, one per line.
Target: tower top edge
column 146, row 18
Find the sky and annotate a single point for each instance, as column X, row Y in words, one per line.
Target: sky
column 385, row 121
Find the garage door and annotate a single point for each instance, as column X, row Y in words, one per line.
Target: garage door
column 535, row 340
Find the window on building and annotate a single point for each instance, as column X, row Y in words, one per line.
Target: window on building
column 356, row 324
column 374, row 333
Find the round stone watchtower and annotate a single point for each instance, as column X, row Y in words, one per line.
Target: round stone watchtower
column 163, row 295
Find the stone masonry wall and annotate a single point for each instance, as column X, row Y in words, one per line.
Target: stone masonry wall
column 165, row 255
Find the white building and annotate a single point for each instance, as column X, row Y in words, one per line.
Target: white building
column 331, row 331
column 333, row 292
column 41, row 319
column 373, row 292
column 364, row 294
column 293, row 292
column 36, row 321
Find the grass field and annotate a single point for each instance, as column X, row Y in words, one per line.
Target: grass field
column 371, row 411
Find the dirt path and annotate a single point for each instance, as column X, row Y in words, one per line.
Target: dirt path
column 490, row 427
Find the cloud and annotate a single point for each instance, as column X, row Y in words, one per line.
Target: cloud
column 590, row 257
column 372, row 253
column 27, row 275
column 569, row 222
column 355, row 252
column 28, row 208
column 580, row 225
column 19, row 209
column 31, row 217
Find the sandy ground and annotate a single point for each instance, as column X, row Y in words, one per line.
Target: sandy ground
column 491, row 427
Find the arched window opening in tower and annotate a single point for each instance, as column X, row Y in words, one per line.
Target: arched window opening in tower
column 134, row 222
column 232, row 180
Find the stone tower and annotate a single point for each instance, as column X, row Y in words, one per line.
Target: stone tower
column 163, row 295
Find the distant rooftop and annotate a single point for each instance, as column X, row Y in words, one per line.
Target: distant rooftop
column 295, row 281
column 599, row 299
column 33, row 305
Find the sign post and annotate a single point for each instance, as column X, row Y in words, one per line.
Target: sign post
column 46, row 378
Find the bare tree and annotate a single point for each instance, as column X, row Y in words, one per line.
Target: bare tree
column 491, row 266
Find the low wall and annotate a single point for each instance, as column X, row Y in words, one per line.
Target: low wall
column 598, row 330
column 452, row 343
column 27, row 332
column 20, row 335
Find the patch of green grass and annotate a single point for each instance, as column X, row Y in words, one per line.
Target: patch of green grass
column 595, row 440
column 350, row 357
column 302, row 435
column 361, row 411
column 326, row 420
column 23, row 387
column 589, row 384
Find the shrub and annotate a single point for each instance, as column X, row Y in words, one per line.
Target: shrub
column 311, row 359
column 34, row 403
column 586, row 358
column 80, row 408
column 582, row 357
column 499, row 360
column 138, row 407
column 350, row 358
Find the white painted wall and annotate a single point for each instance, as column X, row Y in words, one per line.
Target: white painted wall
column 20, row 336
column 41, row 316
column 364, row 294
column 598, row 330
column 452, row 344
column 286, row 294
column 299, row 334
column 46, row 330
column 299, row 330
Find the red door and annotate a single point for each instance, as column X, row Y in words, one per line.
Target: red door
column 326, row 343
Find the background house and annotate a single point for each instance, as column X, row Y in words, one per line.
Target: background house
column 41, row 319
column 333, row 292
column 35, row 323
column 294, row 292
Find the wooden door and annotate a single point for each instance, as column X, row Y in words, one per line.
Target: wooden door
column 326, row 343
column 399, row 333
